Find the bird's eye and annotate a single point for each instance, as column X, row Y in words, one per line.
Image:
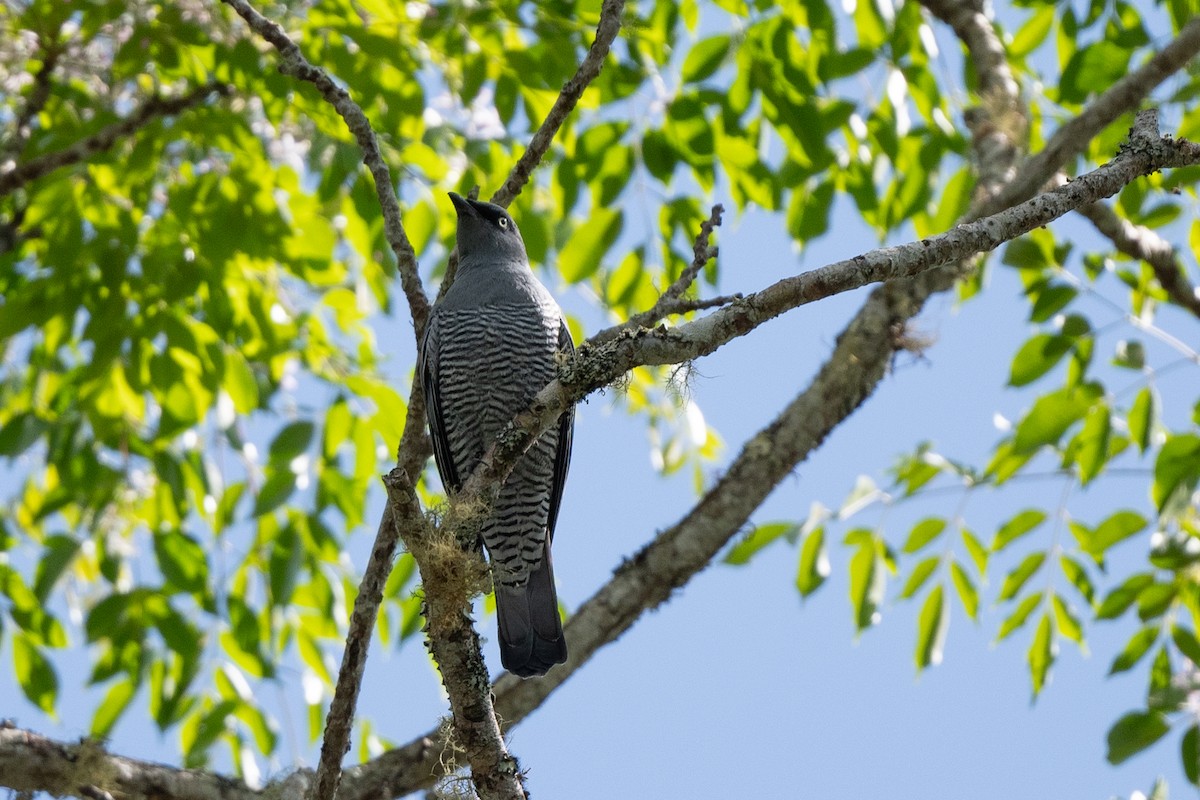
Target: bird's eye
column 503, row 222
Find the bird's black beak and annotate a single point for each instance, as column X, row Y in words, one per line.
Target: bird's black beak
column 463, row 206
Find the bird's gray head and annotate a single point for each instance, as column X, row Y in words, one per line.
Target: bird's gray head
column 486, row 234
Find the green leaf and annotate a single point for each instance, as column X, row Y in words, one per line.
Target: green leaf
column 979, row 554
column 1019, row 616
column 585, row 251
column 867, row 583
column 1037, row 357
column 808, row 211
column 814, row 562
column 1051, row 299
column 239, row 382
column 1019, row 575
column 1020, row 525
column 115, row 701
column 291, row 441
column 1093, row 69
column 1116, row 528
column 275, row 490
column 1041, row 654
column 1031, row 35
column 1185, row 639
column 967, row 593
column 182, row 561
column 34, row 674
column 284, row 564
column 19, row 433
column 60, row 552
column 1189, row 753
column 705, row 58
column 1093, row 443
column 1051, row 415
column 1155, row 599
column 1118, row 601
column 1176, row 470
column 1142, row 417
column 924, row 532
column 919, row 576
column 1131, row 354
column 1066, row 621
column 1133, row 733
column 1078, row 576
column 1137, row 647
column 338, row 426
column 760, row 537
column 931, row 628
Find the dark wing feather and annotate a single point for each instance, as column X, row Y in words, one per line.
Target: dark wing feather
column 433, row 408
column 566, row 428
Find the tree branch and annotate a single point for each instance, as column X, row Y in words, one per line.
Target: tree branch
column 295, row 64
column 31, row 763
column 37, row 98
column 452, row 573
column 606, row 31
column 1144, row 244
column 414, row 446
column 20, row 174
column 1070, row 139
column 999, row 124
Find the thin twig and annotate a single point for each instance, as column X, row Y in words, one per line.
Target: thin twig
column 36, row 100
column 672, row 301
column 606, row 31
column 701, row 255
column 106, row 137
column 1144, row 244
column 295, row 64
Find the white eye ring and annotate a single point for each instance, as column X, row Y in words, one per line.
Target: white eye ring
column 503, row 222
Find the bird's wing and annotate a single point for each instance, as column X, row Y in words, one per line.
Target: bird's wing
column 566, row 428
column 433, row 407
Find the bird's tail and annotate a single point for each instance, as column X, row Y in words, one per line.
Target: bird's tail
column 531, row 634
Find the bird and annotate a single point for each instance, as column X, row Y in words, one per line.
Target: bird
column 492, row 342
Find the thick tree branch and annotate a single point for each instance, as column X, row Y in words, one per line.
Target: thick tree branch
column 31, row 763
column 13, row 176
column 970, row 23
column 1144, row 244
column 606, row 31
column 452, row 572
column 295, row 64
